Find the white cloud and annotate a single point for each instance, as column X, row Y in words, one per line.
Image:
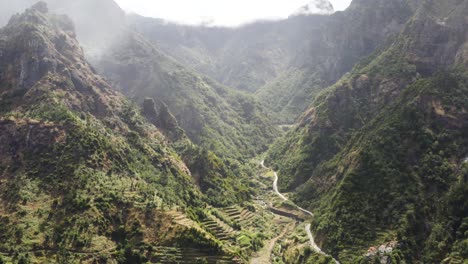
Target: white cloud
column 223, row 12
column 340, row 5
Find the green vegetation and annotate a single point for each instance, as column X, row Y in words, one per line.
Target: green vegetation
column 83, row 174
column 398, row 173
column 383, row 174
column 379, row 156
column 86, row 176
column 290, row 94
column 229, row 123
column 223, row 181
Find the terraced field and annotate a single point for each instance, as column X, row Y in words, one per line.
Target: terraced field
column 181, row 219
column 239, row 215
column 220, row 229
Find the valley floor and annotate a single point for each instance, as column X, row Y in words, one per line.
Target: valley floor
column 264, row 255
column 295, row 213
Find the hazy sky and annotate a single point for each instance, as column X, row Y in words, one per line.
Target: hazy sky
column 222, row 12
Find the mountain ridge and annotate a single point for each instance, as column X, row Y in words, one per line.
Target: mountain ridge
column 303, row 54
column 358, row 151
column 84, row 176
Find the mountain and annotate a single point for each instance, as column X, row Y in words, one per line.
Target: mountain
column 316, row 7
column 222, row 120
column 332, row 50
column 228, row 122
column 107, row 19
column 85, row 177
column 374, row 100
column 286, row 62
column 380, row 155
column 244, row 58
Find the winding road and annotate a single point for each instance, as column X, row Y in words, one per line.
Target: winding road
column 307, row 227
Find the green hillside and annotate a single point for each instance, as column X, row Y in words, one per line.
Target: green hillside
column 84, row 176
column 225, row 121
column 380, row 154
column 338, row 138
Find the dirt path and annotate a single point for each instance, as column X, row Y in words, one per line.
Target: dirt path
column 264, row 255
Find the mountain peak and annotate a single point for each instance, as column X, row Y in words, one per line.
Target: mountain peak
column 315, row 7
column 39, row 53
column 41, row 6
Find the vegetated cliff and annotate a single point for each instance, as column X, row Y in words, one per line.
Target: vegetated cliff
column 224, row 181
column 222, row 120
column 380, row 155
column 83, row 176
column 217, row 119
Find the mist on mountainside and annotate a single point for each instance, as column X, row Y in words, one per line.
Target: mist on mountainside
column 98, row 23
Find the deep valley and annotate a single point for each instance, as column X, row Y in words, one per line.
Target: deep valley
column 325, row 137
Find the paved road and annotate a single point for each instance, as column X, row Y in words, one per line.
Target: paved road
column 275, row 187
column 307, row 227
column 312, row 241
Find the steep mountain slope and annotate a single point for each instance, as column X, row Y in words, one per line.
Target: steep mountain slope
column 381, row 154
column 218, row 118
column 221, row 120
column 84, row 177
column 224, row 181
column 381, row 157
column 331, row 51
column 97, row 22
column 245, row 58
column 285, row 62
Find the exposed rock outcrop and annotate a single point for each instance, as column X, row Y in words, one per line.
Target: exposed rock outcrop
column 315, row 7
column 163, row 119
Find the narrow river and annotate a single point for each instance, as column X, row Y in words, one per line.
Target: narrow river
column 307, row 227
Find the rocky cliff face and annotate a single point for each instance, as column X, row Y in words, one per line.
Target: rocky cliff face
column 330, row 51
column 97, row 22
column 42, row 49
column 163, row 119
column 217, row 117
column 380, row 156
column 407, row 56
